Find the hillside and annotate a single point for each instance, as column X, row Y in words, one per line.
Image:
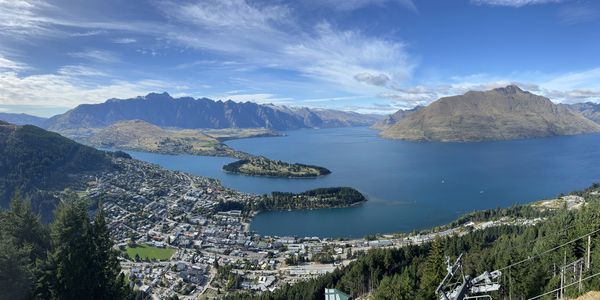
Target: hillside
column 499, row 114
column 394, row 118
column 35, row 162
column 189, row 113
column 22, row 119
column 141, row 136
column 588, row 109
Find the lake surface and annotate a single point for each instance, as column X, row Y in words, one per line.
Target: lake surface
column 409, row 185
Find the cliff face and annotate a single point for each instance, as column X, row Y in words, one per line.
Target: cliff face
column 499, row 114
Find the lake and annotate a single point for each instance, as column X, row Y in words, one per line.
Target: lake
column 409, row 185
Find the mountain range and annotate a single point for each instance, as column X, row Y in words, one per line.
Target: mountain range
column 589, row 109
column 394, row 118
column 498, row 114
column 22, row 119
column 189, row 113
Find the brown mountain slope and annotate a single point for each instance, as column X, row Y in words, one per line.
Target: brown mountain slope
column 499, row 114
column 141, row 136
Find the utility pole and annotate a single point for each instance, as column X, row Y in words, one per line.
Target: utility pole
column 509, row 285
column 580, row 274
column 589, row 256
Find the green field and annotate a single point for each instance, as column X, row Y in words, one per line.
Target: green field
column 145, row 251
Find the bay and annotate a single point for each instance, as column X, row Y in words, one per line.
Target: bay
column 410, row 185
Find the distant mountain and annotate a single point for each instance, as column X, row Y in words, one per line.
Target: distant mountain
column 588, row 109
column 329, row 118
column 22, row 119
column 165, row 111
column 499, row 114
column 35, row 162
column 394, row 118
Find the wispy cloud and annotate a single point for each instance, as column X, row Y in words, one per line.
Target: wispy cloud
column 349, row 5
column 10, row 65
column 87, row 33
column 580, row 13
column 67, row 90
column 124, row 40
column 514, row 3
column 268, row 37
column 96, row 55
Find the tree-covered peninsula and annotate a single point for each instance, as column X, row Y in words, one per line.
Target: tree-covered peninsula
column 332, row 197
column 262, row 166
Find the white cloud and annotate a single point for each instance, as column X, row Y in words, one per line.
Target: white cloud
column 70, row 86
column 514, row 3
column 10, row 65
column 267, row 37
column 87, row 33
column 349, row 5
column 96, row 55
column 124, row 40
column 79, row 70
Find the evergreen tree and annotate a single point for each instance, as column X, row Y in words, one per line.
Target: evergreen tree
column 23, row 244
column 109, row 285
column 434, row 270
column 72, row 265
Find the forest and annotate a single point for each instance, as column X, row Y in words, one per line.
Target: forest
column 316, row 198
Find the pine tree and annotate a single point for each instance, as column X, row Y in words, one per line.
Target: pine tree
column 105, row 261
column 23, row 244
column 72, row 272
column 434, row 270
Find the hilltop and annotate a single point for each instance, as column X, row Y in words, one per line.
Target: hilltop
column 499, row 114
column 189, row 113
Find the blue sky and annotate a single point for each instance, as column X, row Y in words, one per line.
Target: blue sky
column 361, row 55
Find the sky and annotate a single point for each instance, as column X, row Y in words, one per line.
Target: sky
column 370, row 56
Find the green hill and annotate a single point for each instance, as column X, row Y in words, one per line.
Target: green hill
column 38, row 163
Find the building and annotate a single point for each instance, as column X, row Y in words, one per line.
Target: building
column 334, row 294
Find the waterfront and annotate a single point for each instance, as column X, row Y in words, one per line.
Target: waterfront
column 409, row 185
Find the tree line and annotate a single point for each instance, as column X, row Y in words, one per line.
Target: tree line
column 71, row 258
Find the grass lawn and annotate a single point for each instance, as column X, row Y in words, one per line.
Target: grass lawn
column 145, row 251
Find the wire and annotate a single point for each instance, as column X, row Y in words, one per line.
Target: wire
column 564, row 287
column 547, row 251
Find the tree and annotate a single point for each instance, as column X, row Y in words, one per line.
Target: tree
column 108, row 285
column 71, row 260
column 23, row 243
column 434, row 270
column 82, row 263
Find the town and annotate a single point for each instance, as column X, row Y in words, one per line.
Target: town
column 175, row 241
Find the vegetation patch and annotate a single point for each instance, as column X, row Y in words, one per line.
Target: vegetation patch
column 262, row 166
column 147, row 252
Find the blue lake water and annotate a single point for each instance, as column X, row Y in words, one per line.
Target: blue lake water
column 409, row 185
